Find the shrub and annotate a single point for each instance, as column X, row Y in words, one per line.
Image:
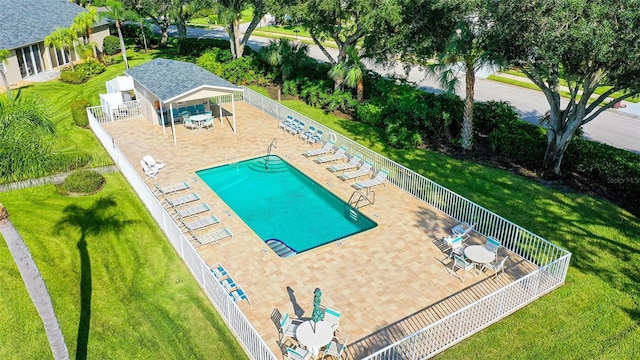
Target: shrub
column 73, row 77
column 521, row 142
column 241, row 71
column 369, row 113
column 612, row 170
column 79, row 112
column 342, row 101
column 91, row 68
column 111, row 45
column 488, row 115
column 83, row 182
column 290, row 88
column 209, row 61
column 196, row 47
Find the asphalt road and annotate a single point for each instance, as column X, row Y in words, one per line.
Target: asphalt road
column 612, row 127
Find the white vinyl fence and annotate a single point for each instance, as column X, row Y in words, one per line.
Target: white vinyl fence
column 253, row 344
column 105, row 113
column 551, row 260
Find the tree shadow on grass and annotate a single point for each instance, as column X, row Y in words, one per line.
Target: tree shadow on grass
column 91, row 221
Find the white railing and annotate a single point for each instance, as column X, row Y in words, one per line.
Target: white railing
column 104, row 113
column 551, row 260
column 225, row 99
column 253, row 344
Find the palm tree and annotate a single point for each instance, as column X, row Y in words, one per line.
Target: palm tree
column 117, row 13
column 83, row 23
column 463, row 50
column 4, row 59
column 26, row 152
column 284, row 54
column 350, row 73
column 62, row 39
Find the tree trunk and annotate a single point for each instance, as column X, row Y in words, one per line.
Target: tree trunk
column 6, row 83
column 467, row 119
column 35, row 285
column 360, row 90
column 234, row 39
column 123, row 48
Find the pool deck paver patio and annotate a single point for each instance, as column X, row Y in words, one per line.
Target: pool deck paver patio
column 388, row 281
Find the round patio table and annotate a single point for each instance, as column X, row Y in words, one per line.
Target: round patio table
column 314, row 335
column 199, row 119
column 479, row 254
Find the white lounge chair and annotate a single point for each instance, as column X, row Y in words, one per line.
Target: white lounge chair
column 327, row 148
column 213, row 236
column 239, row 294
column 338, row 155
column 149, row 172
column 380, row 179
column 157, row 164
column 182, row 199
column 192, row 210
column 218, row 271
column 201, row 223
column 170, row 189
column 363, row 170
column 353, row 163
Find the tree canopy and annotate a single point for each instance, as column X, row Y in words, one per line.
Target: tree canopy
column 589, row 44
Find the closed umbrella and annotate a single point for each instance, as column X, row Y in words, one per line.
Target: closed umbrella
column 317, row 314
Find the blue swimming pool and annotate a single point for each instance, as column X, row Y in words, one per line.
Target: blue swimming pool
column 279, row 202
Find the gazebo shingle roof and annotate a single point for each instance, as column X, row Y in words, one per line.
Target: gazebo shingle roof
column 167, row 79
column 25, row 22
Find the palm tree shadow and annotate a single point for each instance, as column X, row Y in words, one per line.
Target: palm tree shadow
column 92, row 221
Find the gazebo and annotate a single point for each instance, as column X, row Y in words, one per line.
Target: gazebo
column 161, row 85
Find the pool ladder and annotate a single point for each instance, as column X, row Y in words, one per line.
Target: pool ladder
column 273, row 145
column 359, row 199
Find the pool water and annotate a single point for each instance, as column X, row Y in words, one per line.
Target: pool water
column 279, row 202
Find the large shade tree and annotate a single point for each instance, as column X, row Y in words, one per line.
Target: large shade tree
column 350, row 73
column 158, row 11
column 230, row 13
column 585, row 45
column 26, row 152
column 345, row 22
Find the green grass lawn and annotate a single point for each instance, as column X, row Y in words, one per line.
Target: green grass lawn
column 106, row 252
column 596, row 314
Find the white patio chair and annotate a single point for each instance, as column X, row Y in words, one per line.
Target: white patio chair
column 332, row 316
column 219, row 271
column 238, row 294
column 336, row 347
column 455, row 245
column 492, row 245
column 460, row 263
column 288, row 326
column 298, row 353
column 189, row 124
column 462, row 229
column 496, row 266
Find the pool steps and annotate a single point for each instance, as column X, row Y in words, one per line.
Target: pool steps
column 281, row 249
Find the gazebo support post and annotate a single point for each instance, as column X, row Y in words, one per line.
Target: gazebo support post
column 233, row 110
column 173, row 126
column 220, row 108
column 164, row 131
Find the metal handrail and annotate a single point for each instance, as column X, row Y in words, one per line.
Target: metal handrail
column 273, row 145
